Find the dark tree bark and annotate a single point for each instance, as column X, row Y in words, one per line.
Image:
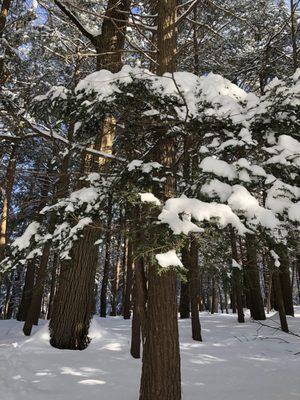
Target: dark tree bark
column 252, row 273
column 161, row 376
column 280, row 302
column 236, row 277
column 184, row 304
column 106, row 267
column 52, row 285
column 74, row 301
column 33, row 314
column 129, row 281
column 115, row 280
column 194, row 290
column 70, row 330
column 27, row 292
column 139, row 302
column 285, row 279
column 161, row 366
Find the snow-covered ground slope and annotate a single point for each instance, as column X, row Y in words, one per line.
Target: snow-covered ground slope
column 235, row 361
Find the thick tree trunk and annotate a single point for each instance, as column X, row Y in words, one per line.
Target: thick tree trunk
column 161, row 359
column 74, row 300
column 161, row 377
column 252, row 272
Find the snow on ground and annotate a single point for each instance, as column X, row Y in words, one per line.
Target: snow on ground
column 235, row 361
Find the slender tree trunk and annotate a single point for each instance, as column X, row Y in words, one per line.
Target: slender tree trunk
column 116, row 276
column 194, row 290
column 184, row 304
column 285, row 279
column 129, row 276
column 294, row 29
column 27, row 292
column 252, row 272
column 52, row 285
column 280, row 302
column 33, row 314
column 139, row 302
column 3, row 18
column 236, row 275
column 103, row 295
column 9, row 181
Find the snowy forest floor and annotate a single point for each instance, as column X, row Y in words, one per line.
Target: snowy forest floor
column 235, row 361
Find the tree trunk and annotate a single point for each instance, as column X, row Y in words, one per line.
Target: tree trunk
column 27, row 292
column 33, row 314
column 138, row 318
column 236, row 277
column 129, row 276
column 285, row 279
column 194, row 290
column 74, row 300
column 9, row 181
column 252, row 272
column 103, row 295
column 52, row 285
column 161, row 377
column 184, row 304
column 161, row 366
column 280, row 302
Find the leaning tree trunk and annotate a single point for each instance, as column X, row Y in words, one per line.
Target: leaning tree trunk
column 252, row 273
column 161, row 376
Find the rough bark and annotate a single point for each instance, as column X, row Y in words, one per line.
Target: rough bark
column 161, row 366
column 74, row 301
column 161, row 376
